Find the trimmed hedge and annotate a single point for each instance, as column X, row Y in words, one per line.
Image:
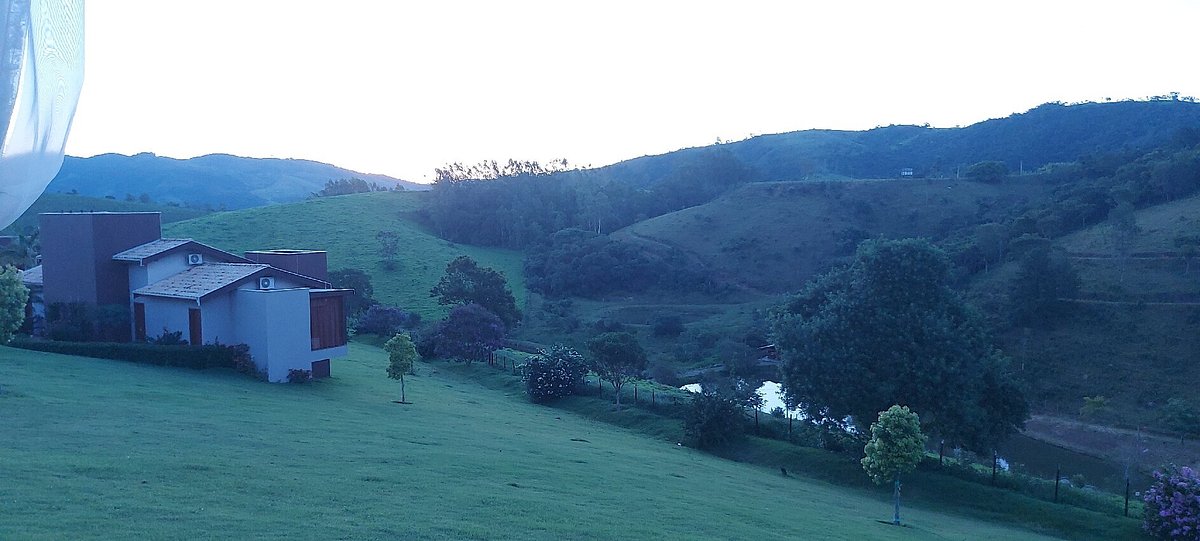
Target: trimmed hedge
column 197, row 357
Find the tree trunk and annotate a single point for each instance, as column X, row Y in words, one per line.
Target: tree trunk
column 896, row 497
column 617, row 388
column 402, row 397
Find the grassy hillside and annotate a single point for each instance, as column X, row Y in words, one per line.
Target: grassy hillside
column 1131, row 334
column 102, row 449
column 774, row 236
column 59, row 202
column 346, row 226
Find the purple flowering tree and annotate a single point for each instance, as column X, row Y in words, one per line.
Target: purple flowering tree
column 1173, row 504
column 469, row 333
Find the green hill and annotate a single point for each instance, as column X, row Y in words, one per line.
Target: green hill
column 347, row 226
column 1129, row 336
column 59, row 202
column 774, row 236
column 103, row 449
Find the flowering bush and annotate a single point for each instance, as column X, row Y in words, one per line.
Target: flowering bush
column 554, row 373
column 1173, row 504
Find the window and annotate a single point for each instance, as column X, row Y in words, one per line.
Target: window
column 327, row 317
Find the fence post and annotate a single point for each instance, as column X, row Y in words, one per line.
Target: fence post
column 942, row 453
column 995, row 458
column 653, row 398
column 1057, row 479
column 1127, row 496
column 635, row 398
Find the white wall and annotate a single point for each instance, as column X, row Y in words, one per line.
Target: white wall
column 169, row 313
column 217, row 319
column 275, row 324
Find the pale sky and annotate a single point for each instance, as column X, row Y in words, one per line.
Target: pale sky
column 400, row 88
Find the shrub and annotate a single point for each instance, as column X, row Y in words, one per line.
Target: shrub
column 668, row 326
column 299, row 375
column 168, row 338
column 554, row 373
column 712, row 419
column 197, row 357
column 1182, row 416
column 386, row 320
column 1173, row 504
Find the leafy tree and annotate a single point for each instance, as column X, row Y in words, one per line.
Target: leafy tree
column 345, row 186
column 13, row 297
column 357, row 280
column 1182, row 416
column 617, row 357
column 401, row 356
column 711, row 419
column 887, row 329
column 469, row 333
column 988, row 171
column 389, row 246
column 465, row 282
column 1043, row 278
column 895, row 448
column 554, row 373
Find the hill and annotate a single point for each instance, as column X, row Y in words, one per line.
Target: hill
column 1049, row 133
column 1129, row 335
column 179, row 453
column 775, row 236
column 59, row 202
column 347, row 227
column 215, row 180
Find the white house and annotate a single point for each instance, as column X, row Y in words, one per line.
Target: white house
column 289, row 321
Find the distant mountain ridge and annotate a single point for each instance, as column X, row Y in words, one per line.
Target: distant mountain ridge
column 1049, row 133
column 213, row 180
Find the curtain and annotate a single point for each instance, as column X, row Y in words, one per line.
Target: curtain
column 41, row 74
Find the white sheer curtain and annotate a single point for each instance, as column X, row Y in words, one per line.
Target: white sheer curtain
column 41, row 73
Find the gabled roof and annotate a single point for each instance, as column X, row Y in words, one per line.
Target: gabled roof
column 202, row 280
column 32, row 276
column 158, row 248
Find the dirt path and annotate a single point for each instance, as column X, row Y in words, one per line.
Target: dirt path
column 1113, row 444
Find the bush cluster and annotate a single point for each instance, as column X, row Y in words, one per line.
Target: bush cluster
column 197, row 357
column 554, row 373
column 1173, row 504
column 386, row 320
column 713, row 419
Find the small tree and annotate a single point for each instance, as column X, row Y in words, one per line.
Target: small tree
column 1173, row 504
column 617, row 357
column 401, row 356
column 554, row 373
column 389, row 246
column 895, row 448
column 13, row 297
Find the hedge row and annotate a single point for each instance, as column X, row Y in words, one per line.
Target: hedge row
column 197, row 357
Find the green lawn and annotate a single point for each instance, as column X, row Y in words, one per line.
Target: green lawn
column 346, row 226
column 103, row 449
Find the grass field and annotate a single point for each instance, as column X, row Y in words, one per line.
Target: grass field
column 346, row 227
column 98, row 449
column 59, row 202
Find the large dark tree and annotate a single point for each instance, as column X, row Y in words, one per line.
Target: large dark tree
column 362, row 297
column 886, row 329
column 465, row 282
column 469, row 333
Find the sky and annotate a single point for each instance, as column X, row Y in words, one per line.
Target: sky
column 400, row 88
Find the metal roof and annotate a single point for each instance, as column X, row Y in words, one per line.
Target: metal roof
column 201, row 280
column 155, row 248
column 32, row 276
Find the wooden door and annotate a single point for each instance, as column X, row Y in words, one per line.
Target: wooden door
column 139, row 322
column 195, row 336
